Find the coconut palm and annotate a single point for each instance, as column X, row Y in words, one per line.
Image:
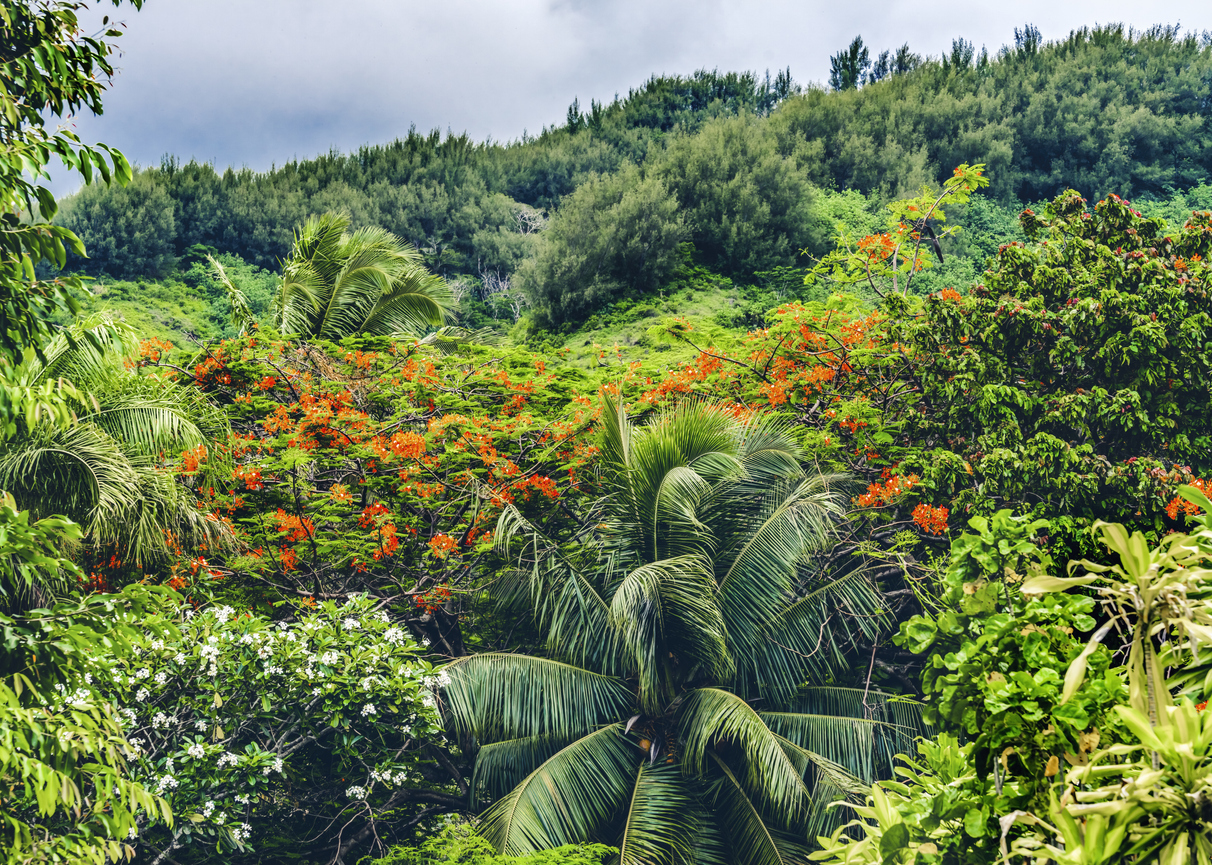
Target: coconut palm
column 104, row 470
column 671, row 714
column 338, row 283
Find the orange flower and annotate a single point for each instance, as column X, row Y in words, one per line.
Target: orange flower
column 442, row 545
column 932, row 520
column 340, row 494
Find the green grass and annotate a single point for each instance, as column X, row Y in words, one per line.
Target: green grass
column 166, row 310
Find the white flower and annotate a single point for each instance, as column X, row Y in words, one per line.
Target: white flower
column 200, row 725
column 368, row 709
column 157, row 646
column 169, row 765
column 329, row 659
column 221, row 817
column 160, row 720
column 351, row 624
column 425, row 641
column 241, row 834
column 88, row 678
column 382, row 616
column 289, row 635
column 246, row 639
column 208, row 809
column 166, row 782
column 356, row 792
column 368, row 683
column 223, row 613
column 189, row 614
column 228, row 759
column 161, row 678
column 142, row 673
column 242, row 799
column 129, row 715
column 179, row 658
column 440, row 680
column 275, row 767
column 395, row 636
column 196, row 751
column 315, row 692
column 265, row 651
column 273, row 670
column 132, row 833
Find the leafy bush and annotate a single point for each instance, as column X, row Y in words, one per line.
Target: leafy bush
column 458, row 845
column 616, row 235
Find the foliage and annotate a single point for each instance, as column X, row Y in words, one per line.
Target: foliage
column 458, row 845
column 261, row 734
column 614, row 236
column 47, row 70
column 337, row 284
column 748, row 207
column 128, row 231
column 103, row 470
column 69, row 796
column 1071, row 383
column 694, row 611
column 1136, row 788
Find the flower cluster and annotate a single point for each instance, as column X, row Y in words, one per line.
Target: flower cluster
column 931, row 519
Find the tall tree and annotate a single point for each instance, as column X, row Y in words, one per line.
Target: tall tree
column 846, row 68
column 669, row 717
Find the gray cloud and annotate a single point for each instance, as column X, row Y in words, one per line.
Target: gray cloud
column 260, row 82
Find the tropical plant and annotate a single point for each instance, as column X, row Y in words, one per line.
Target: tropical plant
column 672, row 700
column 458, row 844
column 67, row 793
column 261, row 733
column 103, row 470
column 336, row 283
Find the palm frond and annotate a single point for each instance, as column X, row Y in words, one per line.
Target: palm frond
column 450, row 340
column 864, row 730
column 564, row 602
column 665, row 616
column 241, row 315
column 752, row 839
column 711, row 716
column 809, row 637
column 661, row 821
column 502, row 696
column 568, row 799
column 79, row 472
column 830, row 783
column 501, row 766
column 336, row 283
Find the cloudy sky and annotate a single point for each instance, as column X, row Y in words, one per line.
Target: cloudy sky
column 259, row 82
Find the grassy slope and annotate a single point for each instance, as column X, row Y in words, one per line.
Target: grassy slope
column 164, row 310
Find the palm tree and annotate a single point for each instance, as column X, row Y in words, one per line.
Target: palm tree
column 104, row 470
column 670, row 714
column 336, row 284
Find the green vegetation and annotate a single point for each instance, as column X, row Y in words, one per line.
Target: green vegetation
column 734, row 473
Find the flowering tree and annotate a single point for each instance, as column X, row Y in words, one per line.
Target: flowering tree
column 261, row 734
column 1071, row 383
column 379, row 466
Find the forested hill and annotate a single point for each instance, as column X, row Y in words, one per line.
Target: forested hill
column 595, row 208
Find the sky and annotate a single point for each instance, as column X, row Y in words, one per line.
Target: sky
column 260, row 82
